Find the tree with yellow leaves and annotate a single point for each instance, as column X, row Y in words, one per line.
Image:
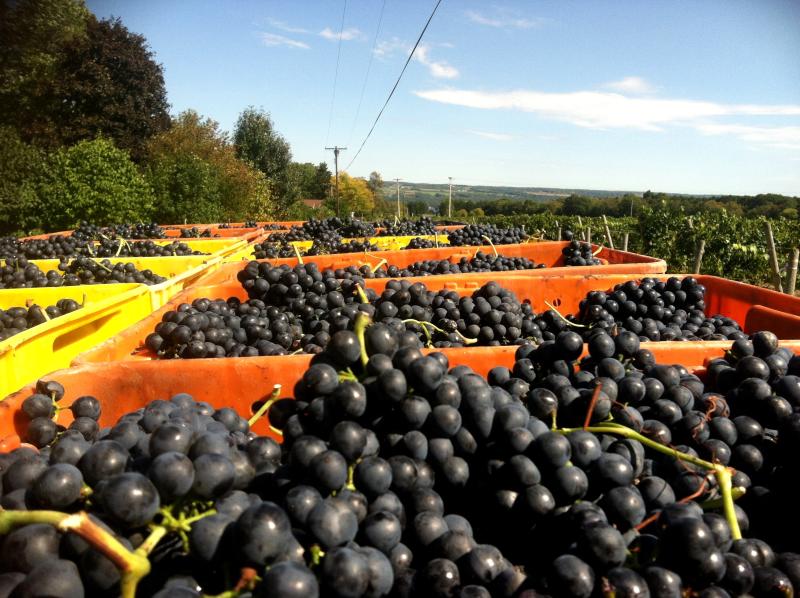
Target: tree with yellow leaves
column 354, row 195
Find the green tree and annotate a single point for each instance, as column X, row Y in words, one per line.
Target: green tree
column 109, row 84
column 20, row 167
column 302, row 177
column 93, row 181
column 196, row 175
column 322, row 182
column 34, row 34
column 354, row 196
column 258, row 142
column 375, row 184
column 416, row 207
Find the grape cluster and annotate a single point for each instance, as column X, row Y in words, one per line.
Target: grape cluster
column 54, row 246
column 196, row 233
column 579, row 253
column 657, row 310
column 476, row 234
column 299, row 308
column 14, row 320
column 269, row 250
column 92, row 232
column 320, row 247
column 249, row 224
column 123, row 248
column 401, row 475
column 418, row 243
column 19, row 273
column 400, row 228
column 481, row 262
column 328, row 229
column 287, row 310
column 88, row 271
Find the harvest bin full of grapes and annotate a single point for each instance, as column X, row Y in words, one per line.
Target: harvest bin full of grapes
column 394, row 423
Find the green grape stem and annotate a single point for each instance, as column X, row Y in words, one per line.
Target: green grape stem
column 276, row 391
column 722, row 473
column 362, row 296
column 134, row 565
column 360, row 328
column 484, row 237
column 426, row 325
column 558, row 313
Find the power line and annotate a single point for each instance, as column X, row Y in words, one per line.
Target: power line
column 369, row 66
column 396, row 83
column 336, row 73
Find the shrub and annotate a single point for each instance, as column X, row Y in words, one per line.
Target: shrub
column 93, row 181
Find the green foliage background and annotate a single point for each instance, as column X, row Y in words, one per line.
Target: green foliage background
column 92, row 181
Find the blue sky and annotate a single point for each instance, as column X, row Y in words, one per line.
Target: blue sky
column 679, row 96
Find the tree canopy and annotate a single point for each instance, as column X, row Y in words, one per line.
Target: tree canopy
column 354, row 195
column 34, row 34
column 93, row 181
column 66, row 76
column 258, row 142
column 196, row 175
column 111, row 85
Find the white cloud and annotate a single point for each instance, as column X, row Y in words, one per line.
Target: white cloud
column 633, row 85
column 437, row 68
column 606, row 110
column 492, row 136
column 504, row 19
column 285, row 27
column 347, row 34
column 273, row 39
column 386, row 48
column 780, row 137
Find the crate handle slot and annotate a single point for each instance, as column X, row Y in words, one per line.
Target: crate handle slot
column 73, row 336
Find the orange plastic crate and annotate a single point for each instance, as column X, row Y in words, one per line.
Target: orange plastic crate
column 753, row 307
column 548, row 252
column 239, row 383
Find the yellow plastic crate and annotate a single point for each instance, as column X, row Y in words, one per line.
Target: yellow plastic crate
column 107, row 310
column 243, row 253
column 180, row 272
column 215, row 247
column 211, row 247
column 397, row 243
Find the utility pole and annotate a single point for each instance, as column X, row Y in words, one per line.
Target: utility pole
column 398, row 196
column 450, row 200
column 336, row 149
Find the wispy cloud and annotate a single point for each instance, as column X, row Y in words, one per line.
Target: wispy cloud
column 502, row 18
column 605, row 110
column 347, row 34
column 437, row 68
column 386, row 48
column 492, row 136
column 283, row 26
column 779, row 137
column 273, row 39
column 632, row 85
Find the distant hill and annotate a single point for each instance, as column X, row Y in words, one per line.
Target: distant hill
column 434, row 193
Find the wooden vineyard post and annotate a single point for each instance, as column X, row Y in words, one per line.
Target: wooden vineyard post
column 589, row 234
column 792, row 282
column 773, row 259
column 608, row 233
column 625, row 242
column 580, row 226
column 698, row 255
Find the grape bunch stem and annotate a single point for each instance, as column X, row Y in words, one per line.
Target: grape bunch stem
column 722, row 473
